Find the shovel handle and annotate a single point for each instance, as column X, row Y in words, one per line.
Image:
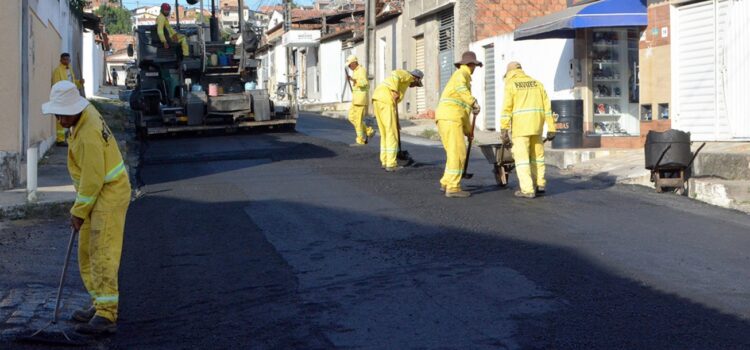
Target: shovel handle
column 73, row 233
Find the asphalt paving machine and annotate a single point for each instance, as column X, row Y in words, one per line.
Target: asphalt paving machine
column 214, row 87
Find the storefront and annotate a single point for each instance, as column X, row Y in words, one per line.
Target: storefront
column 605, row 65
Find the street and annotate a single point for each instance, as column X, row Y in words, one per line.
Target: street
column 296, row 240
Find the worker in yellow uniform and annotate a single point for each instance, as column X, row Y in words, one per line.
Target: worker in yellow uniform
column 358, row 109
column 526, row 108
column 162, row 24
column 64, row 72
column 452, row 117
column 385, row 102
column 102, row 197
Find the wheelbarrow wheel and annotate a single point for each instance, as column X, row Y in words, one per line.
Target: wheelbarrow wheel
column 501, row 176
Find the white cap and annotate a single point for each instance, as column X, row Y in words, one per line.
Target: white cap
column 351, row 59
column 64, row 99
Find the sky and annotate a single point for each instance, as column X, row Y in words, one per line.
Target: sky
column 252, row 4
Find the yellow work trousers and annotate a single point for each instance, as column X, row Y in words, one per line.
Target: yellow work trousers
column 99, row 250
column 60, row 132
column 183, row 44
column 528, row 152
column 452, row 136
column 385, row 113
column 356, row 117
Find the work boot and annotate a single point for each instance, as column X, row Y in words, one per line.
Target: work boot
column 520, row 194
column 97, row 326
column 83, row 315
column 458, row 194
column 442, row 188
column 392, row 169
column 540, row 191
column 61, row 144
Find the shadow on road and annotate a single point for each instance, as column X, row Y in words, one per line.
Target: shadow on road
column 281, row 274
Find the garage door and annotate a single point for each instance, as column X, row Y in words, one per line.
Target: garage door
column 697, row 52
column 419, row 44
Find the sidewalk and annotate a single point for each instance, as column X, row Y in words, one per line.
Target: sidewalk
column 721, row 172
column 55, row 191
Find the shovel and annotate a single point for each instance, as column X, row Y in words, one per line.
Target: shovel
column 52, row 333
column 468, row 149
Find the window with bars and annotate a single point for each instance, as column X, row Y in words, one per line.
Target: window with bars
column 445, row 46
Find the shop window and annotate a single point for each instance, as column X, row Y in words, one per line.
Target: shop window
column 664, row 111
column 614, row 59
column 646, row 113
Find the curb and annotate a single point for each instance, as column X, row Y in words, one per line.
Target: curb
column 45, row 209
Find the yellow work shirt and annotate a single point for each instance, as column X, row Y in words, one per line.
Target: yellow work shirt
column 526, row 107
column 456, row 101
column 398, row 82
column 361, row 87
column 161, row 23
column 95, row 164
column 63, row 72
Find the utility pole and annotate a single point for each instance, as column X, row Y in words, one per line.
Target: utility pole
column 291, row 82
column 370, row 8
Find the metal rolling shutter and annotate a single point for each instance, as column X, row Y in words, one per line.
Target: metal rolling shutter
column 489, row 88
column 445, row 47
column 421, row 102
column 699, row 91
column 736, row 76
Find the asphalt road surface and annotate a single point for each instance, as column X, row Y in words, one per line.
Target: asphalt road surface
column 296, row 240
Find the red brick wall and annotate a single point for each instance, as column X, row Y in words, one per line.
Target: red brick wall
column 658, row 19
column 495, row 17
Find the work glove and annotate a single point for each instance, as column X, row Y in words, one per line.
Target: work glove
column 475, row 108
column 505, row 137
column 550, row 136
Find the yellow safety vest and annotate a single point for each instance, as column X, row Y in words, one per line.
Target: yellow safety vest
column 456, row 101
column 361, row 87
column 526, row 107
column 399, row 81
column 61, row 73
column 161, row 23
column 96, row 166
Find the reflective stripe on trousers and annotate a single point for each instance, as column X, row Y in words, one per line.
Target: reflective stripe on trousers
column 452, row 137
column 528, row 151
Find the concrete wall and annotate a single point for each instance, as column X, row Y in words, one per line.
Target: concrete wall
column 545, row 60
column 427, row 27
column 655, row 59
column 10, row 78
column 390, row 48
column 44, row 44
column 51, row 30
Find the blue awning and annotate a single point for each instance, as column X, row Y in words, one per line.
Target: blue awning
column 603, row 13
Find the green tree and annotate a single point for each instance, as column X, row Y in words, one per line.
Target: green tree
column 116, row 19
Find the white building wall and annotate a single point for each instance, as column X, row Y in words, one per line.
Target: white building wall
column 332, row 73
column 545, row 60
column 93, row 64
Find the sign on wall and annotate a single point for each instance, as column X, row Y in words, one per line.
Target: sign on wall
column 301, row 38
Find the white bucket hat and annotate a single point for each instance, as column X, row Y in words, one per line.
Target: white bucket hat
column 64, row 99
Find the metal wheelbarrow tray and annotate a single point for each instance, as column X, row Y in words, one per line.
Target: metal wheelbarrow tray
column 501, row 158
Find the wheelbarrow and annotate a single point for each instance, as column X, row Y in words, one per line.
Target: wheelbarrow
column 501, row 158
